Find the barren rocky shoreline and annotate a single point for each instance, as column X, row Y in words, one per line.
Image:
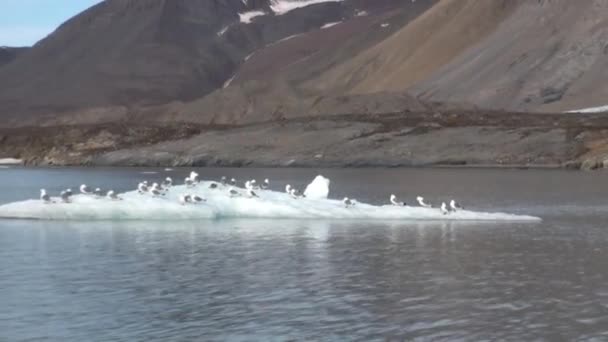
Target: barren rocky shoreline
column 454, row 138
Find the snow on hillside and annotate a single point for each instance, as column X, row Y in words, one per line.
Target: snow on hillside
column 600, row 109
column 283, row 6
column 247, row 17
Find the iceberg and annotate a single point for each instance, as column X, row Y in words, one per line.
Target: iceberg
column 220, row 204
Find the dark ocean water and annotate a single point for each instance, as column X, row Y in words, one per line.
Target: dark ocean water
column 267, row 280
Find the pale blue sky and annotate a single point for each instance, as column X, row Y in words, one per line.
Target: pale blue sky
column 24, row 22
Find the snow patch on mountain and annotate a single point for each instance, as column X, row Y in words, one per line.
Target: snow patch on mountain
column 280, row 7
column 247, row 17
column 328, row 25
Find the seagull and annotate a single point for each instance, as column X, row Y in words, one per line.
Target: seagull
column 295, row 193
column 98, row 192
column 223, row 180
column 85, row 189
column 455, row 206
column 198, row 199
column 156, row 191
column 69, row 192
column 213, row 186
column 44, row 196
column 194, row 177
column 253, row 184
column 233, row 193
column 248, row 185
column 113, row 196
column 251, row 193
column 189, row 182
column 266, row 184
column 233, row 182
column 168, row 182
column 348, row 202
column 395, row 202
column 183, row 199
column 288, row 189
column 444, row 209
column 420, row 200
column 65, row 196
column 142, row 187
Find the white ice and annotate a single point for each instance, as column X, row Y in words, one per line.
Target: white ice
column 219, row 204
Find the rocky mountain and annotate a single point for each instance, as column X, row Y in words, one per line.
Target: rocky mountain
column 9, row 54
column 449, row 72
column 122, row 54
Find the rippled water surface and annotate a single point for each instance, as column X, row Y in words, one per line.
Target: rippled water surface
column 266, row 280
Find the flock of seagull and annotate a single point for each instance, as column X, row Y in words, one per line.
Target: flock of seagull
column 192, row 181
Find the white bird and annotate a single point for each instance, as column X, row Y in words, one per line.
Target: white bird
column 455, row 206
column 295, row 193
column 253, row 184
column 44, row 196
column 142, row 187
column 65, row 196
column 98, row 192
column 194, row 177
column 184, row 199
column 233, row 192
column 223, row 180
column 248, row 185
column 395, row 202
column 288, row 189
column 85, row 189
column 251, row 193
column 113, row 196
column 348, row 202
column 156, row 191
column 444, row 209
column 266, row 184
column 189, row 182
column 420, row 200
column 232, row 181
column 168, row 182
column 69, row 192
column 198, row 199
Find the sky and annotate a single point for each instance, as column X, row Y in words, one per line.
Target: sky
column 24, row 22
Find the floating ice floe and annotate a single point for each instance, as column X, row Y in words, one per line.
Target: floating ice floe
column 220, row 201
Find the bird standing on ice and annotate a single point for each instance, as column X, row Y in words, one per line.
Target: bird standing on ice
column 85, row 189
column 189, row 182
column 288, row 189
column 98, row 192
column 266, row 184
column 142, row 188
column 168, row 182
column 184, row 199
column 455, row 206
column 348, row 202
column 420, row 200
column 194, row 177
column 232, row 181
column 65, row 196
column 44, row 197
column 395, row 202
column 233, row 192
column 223, row 180
column 113, row 196
column 198, row 199
column 444, row 209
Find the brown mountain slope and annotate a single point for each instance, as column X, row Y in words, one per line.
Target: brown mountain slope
column 546, row 56
column 414, row 52
column 144, row 52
